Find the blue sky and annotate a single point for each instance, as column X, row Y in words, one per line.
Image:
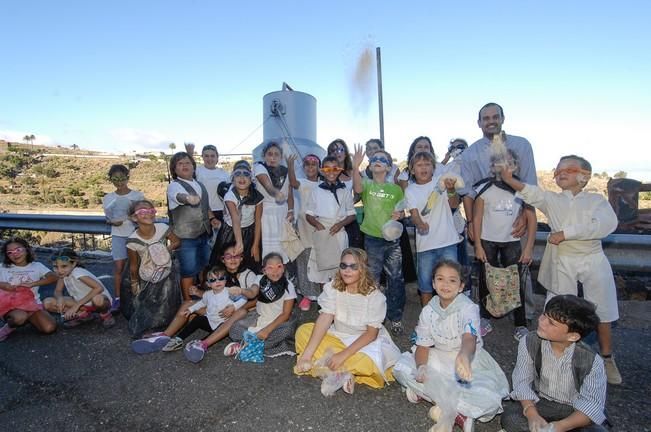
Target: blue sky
column 124, row 75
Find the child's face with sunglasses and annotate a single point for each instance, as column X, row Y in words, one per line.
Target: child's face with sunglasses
column 241, row 178
column 379, row 162
column 274, row 269
column 119, row 178
column 349, row 269
column 231, row 260
column 331, row 171
column 216, row 282
column 16, row 253
column 64, row 265
column 144, row 215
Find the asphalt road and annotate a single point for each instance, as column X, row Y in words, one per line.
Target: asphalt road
column 88, row 379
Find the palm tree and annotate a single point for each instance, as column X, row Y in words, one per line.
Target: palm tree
column 31, row 140
column 75, row 147
column 172, row 147
column 26, row 139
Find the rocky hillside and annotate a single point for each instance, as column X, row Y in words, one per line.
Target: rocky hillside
column 76, row 181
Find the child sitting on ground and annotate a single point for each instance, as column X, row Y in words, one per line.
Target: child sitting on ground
column 21, row 276
column 88, row 294
column 558, row 380
column 211, row 305
column 578, row 220
column 272, row 320
column 449, row 350
column 170, row 340
column 350, row 327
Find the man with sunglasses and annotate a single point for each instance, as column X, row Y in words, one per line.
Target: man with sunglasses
column 380, row 197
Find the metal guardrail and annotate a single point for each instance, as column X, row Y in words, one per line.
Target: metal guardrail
column 626, row 252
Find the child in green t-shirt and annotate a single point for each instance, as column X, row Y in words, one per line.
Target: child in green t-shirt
column 380, row 198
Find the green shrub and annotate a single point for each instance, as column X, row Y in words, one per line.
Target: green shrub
column 73, row 191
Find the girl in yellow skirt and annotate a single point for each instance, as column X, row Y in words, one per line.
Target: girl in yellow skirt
column 350, row 327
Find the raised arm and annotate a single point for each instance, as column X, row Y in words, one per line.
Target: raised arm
column 291, row 171
column 358, row 157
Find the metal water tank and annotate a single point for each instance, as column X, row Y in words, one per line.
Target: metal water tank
column 290, row 119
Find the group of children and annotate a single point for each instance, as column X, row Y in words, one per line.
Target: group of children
column 241, row 288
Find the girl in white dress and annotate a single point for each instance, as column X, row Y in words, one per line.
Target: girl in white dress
column 309, row 289
column 278, row 202
column 449, row 354
column 350, row 326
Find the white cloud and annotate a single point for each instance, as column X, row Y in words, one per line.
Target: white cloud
column 17, row 136
column 139, row 139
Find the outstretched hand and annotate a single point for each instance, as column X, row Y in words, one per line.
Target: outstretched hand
column 290, row 159
column 358, row 157
column 462, row 367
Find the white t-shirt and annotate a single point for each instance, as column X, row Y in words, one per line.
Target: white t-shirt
column 267, row 312
column 214, row 304
column 211, row 178
column 116, row 208
column 175, row 188
column 501, row 208
column 322, row 204
column 78, row 289
column 247, row 212
column 427, row 198
column 17, row 276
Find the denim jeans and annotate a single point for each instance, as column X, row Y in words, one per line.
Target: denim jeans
column 426, row 261
column 193, row 255
column 387, row 255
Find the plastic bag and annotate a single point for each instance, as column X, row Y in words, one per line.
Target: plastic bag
column 252, row 350
column 332, row 380
column 445, row 393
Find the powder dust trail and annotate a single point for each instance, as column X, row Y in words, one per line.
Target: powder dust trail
column 499, row 155
column 362, row 81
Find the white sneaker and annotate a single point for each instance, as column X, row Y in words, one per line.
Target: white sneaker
column 612, row 372
column 174, row 344
column 435, row 413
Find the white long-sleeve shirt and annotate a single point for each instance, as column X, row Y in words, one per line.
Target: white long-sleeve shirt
column 584, row 218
